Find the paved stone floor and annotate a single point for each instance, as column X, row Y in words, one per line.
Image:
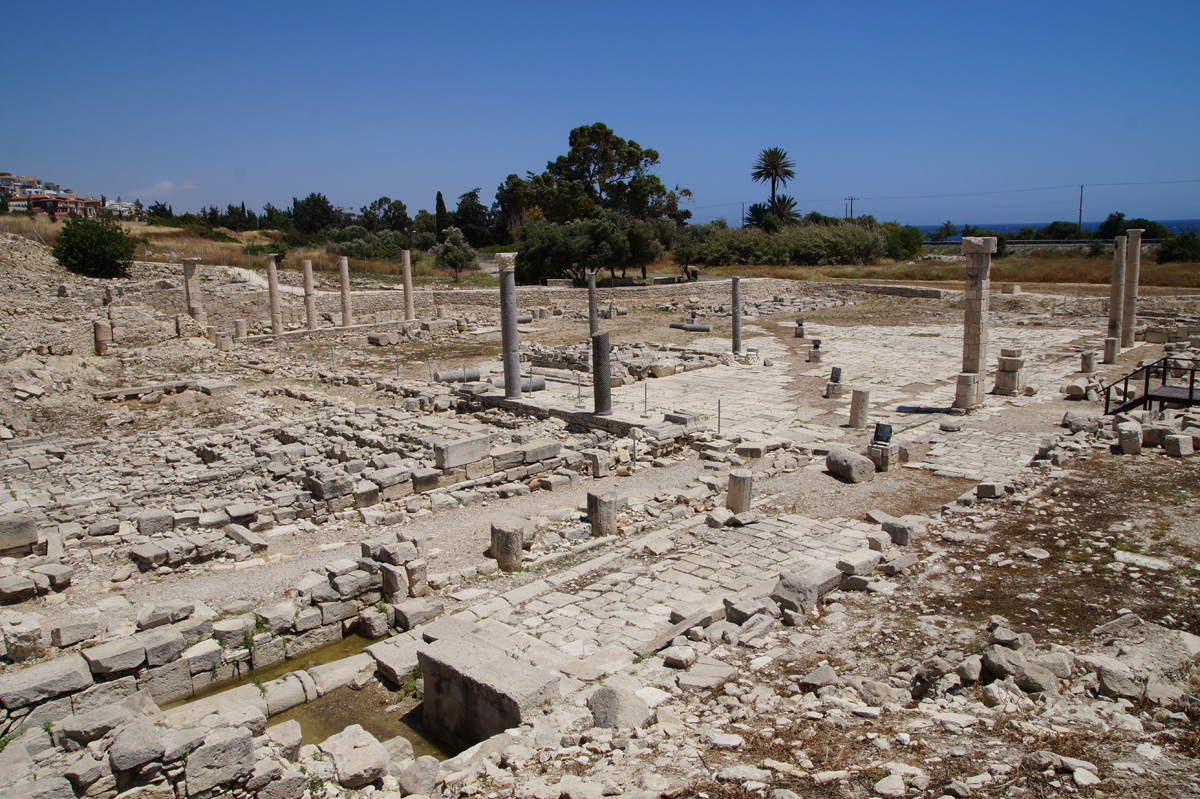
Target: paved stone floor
column 910, row 370
column 632, row 601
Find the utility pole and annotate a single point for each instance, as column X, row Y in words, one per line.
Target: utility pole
column 851, row 201
column 1080, row 210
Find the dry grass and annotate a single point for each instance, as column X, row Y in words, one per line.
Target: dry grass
column 1039, row 267
column 171, row 245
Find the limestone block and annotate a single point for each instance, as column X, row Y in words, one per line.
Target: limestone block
column 18, row 534
column 167, row 683
column 358, row 759
column 450, row 454
column 15, row 588
column 69, row 633
column 1178, row 446
column 474, row 690
column 28, row 686
column 287, row 737
column 136, row 745
column 541, row 449
column 416, row 611
column 162, row 645
column 227, row 754
column 245, row 537
column 112, row 657
column 850, row 466
column 395, row 659
column 153, row 522
column 618, row 708
column 418, row 577
column 802, row 591
column 859, row 562
column 1129, row 437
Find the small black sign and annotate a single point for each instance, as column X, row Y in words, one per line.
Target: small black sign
column 883, row 433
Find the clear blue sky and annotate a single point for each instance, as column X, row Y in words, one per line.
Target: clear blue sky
column 217, row 102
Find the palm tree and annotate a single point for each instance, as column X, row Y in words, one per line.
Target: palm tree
column 785, row 210
column 773, row 165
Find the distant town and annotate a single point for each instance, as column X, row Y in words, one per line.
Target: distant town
column 27, row 193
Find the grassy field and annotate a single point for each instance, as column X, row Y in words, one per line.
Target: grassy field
column 1068, row 267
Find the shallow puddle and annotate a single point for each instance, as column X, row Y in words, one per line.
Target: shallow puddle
column 373, row 708
column 382, row 713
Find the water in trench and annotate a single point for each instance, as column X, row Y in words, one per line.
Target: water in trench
column 383, row 713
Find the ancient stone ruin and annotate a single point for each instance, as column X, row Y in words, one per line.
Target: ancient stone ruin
column 294, row 533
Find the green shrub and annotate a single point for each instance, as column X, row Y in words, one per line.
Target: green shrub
column 1181, row 249
column 94, row 247
column 792, row 245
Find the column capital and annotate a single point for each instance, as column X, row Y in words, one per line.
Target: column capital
column 978, row 244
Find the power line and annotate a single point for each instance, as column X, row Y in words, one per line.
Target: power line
column 971, row 193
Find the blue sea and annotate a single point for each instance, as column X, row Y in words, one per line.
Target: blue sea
column 1175, row 225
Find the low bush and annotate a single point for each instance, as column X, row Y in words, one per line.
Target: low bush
column 96, row 247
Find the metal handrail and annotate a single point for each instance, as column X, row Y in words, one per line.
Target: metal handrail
column 1148, row 372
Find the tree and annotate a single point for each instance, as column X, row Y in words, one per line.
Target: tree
column 454, row 251
column 314, row 213
column 773, row 166
column 394, row 217
column 1117, row 225
column 1001, row 238
column 903, row 242
column 510, row 208
column 1153, row 230
column 603, row 171
column 3, row 202
column 1181, row 249
column 159, row 211
column 1113, row 226
column 1056, row 231
column 97, row 247
column 945, row 232
column 385, row 214
column 756, row 215
column 471, row 217
column 784, row 209
column 441, row 216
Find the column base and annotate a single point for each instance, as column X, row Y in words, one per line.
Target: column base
column 969, row 393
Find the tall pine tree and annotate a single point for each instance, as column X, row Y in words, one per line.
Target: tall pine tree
column 441, row 215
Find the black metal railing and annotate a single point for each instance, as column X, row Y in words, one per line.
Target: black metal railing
column 1152, row 371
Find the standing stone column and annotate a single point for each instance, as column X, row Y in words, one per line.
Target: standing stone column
column 273, row 294
column 310, row 297
column 406, row 271
column 860, row 401
column 239, row 328
column 593, row 306
column 741, row 489
column 970, row 391
column 1116, row 299
column 737, row 315
column 1133, row 265
column 191, row 291
column 508, row 326
column 602, row 514
column 601, row 375
column 344, row 272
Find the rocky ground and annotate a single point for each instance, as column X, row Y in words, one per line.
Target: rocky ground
column 1032, row 636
